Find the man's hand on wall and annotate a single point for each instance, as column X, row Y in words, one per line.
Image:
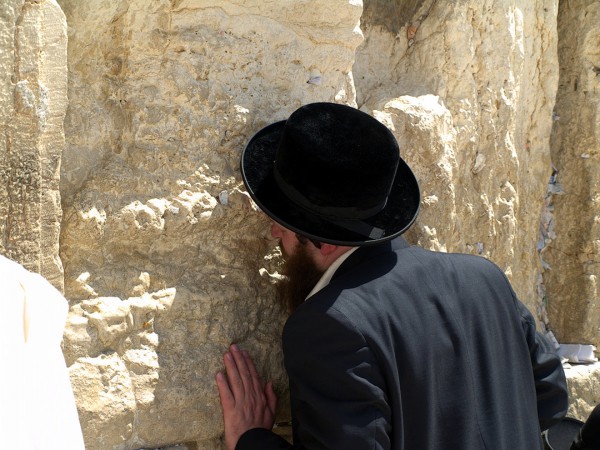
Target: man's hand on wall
column 246, row 403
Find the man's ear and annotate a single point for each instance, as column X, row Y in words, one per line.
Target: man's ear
column 328, row 249
column 328, row 253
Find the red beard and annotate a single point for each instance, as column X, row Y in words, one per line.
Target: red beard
column 301, row 277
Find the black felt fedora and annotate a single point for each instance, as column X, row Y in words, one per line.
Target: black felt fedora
column 332, row 173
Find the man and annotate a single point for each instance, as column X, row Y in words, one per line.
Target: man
column 394, row 347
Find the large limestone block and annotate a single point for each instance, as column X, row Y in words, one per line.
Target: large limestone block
column 105, row 396
column 584, row 389
column 139, row 70
column 573, row 257
column 167, row 260
column 424, row 129
column 33, row 102
column 480, row 148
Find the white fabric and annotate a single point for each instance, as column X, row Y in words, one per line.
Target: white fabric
column 328, row 274
column 37, row 407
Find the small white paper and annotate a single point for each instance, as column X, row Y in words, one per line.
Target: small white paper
column 578, row 353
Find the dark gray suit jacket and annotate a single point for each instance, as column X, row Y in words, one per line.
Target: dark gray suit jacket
column 417, row 350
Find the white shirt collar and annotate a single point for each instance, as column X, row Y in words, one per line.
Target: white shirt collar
column 328, row 275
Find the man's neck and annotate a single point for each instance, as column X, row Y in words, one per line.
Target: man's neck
column 328, row 254
column 331, row 269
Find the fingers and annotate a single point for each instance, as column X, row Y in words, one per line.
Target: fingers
column 246, row 403
column 255, row 377
column 241, row 372
column 271, row 397
column 250, row 364
column 225, row 394
column 243, row 368
column 233, row 375
column 242, row 377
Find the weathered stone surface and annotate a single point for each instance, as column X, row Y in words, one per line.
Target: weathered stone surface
column 33, row 102
column 105, row 399
column 479, row 147
column 139, row 70
column 573, row 256
column 584, row 389
column 167, row 260
column 163, row 96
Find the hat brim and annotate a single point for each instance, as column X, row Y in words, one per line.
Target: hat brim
column 257, row 160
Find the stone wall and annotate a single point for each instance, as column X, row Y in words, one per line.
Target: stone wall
column 164, row 253
column 468, row 88
column 166, row 259
column 33, row 101
column 573, row 255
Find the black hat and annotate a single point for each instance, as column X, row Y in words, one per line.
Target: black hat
column 332, row 173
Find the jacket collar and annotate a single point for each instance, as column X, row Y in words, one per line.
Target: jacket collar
column 370, row 252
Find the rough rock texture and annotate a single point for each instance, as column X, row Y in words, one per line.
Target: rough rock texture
column 33, row 102
column 167, row 260
column 468, row 88
column 584, row 389
column 149, row 75
column 573, row 257
column 162, row 250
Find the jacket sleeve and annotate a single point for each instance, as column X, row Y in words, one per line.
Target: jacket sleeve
column 337, row 390
column 263, row 439
column 548, row 373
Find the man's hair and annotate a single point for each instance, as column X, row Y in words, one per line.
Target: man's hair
column 304, row 240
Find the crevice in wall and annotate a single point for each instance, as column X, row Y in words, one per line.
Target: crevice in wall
column 546, row 235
